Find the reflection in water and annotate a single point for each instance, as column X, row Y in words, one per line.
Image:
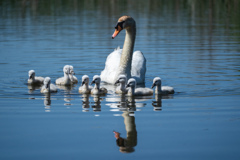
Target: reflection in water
column 66, row 88
column 67, row 93
column 126, row 145
column 97, row 103
column 157, row 105
column 85, row 102
column 32, row 88
column 47, row 102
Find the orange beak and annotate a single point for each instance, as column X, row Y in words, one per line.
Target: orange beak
column 116, row 32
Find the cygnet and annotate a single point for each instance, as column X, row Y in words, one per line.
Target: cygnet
column 48, row 87
column 161, row 90
column 71, row 75
column 85, row 88
column 133, row 91
column 96, row 89
column 32, row 80
column 66, row 79
column 121, row 89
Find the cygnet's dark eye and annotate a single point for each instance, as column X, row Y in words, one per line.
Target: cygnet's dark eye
column 120, row 24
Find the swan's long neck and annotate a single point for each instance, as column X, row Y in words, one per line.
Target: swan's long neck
column 127, row 52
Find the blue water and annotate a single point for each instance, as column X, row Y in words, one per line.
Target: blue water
column 193, row 46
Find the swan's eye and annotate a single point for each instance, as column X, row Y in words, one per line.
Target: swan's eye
column 120, row 24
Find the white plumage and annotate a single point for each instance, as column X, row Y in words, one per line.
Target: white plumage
column 48, row 87
column 133, row 91
column 66, row 79
column 121, row 89
column 71, row 75
column 33, row 80
column 125, row 61
column 85, row 88
column 96, row 89
column 161, row 90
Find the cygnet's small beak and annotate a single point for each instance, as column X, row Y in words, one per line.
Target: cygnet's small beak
column 153, row 85
column 92, row 82
column 73, row 72
column 116, row 32
column 31, row 76
column 116, row 82
column 83, row 82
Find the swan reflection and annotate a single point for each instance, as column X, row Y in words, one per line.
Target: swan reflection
column 126, row 145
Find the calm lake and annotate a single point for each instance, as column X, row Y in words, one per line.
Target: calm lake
column 193, row 45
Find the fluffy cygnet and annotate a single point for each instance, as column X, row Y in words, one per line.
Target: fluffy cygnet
column 71, row 75
column 66, row 79
column 161, row 90
column 85, row 88
column 133, row 91
column 48, row 87
column 121, row 89
column 32, row 80
column 96, row 89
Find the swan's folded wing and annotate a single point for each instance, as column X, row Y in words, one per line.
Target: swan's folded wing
column 138, row 67
column 111, row 66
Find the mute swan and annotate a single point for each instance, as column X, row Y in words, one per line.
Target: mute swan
column 48, row 87
column 121, row 89
column 32, row 80
column 133, row 91
column 85, row 88
column 161, row 90
column 124, row 61
column 71, row 75
column 66, row 79
column 96, row 89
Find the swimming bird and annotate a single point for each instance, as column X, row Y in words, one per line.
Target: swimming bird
column 96, row 89
column 121, row 89
column 32, row 80
column 125, row 61
column 133, row 91
column 71, row 75
column 48, row 87
column 161, row 90
column 85, row 88
column 66, row 79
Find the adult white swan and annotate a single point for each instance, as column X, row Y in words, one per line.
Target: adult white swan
column 124, row 61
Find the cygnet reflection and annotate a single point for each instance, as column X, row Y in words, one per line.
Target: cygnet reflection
column 157, row 104
column 97, row 103
column 47, row 102
column 85, row 102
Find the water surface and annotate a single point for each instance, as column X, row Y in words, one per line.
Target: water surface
column 193, row 46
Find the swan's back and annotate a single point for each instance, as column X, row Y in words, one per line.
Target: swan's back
column 138, row 67
column 111, row 66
